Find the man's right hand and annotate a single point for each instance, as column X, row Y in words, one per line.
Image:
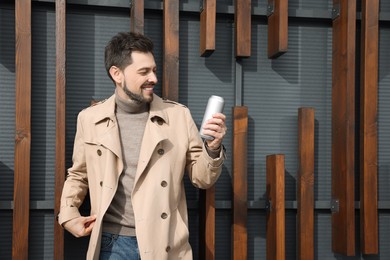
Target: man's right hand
column 80, row 226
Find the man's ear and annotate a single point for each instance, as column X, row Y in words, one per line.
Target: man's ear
column 116, row 74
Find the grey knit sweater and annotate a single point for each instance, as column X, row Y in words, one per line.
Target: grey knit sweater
column 132, row 117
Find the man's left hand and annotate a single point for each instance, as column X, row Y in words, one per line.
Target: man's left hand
column 216, row 128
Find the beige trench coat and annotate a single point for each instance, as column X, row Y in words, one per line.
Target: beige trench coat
column 170, row 145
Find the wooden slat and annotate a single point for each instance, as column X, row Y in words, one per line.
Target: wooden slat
column 277, row 28
column 60, row 123
column 170, row 87
column 343, row 127
column 305, row 196
column 207, row 27
column 137, row 16
column 368, row 128
column 21, row 211
column 240, row 182
column 276, row 214
column 207, row 224
column 242, row 21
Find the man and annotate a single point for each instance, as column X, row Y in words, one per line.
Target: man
column 130, row 153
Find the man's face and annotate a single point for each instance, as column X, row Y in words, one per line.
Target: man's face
column 138, row 78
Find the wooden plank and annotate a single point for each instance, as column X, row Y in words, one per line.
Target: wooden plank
column 207, row 224
column 368, row 128
column 207, row 27
column 343, row 127
column 170, row 84
column 305, row 196
column 21, row 211
column 240, row 182
column 277, row 28
column 60, row 123
column 276, row 214
column 242, row 21
column 137, row 16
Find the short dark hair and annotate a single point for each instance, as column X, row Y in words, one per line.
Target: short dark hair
column 119, row 48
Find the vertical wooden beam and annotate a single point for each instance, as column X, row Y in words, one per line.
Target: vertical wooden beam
column 207, row 27
column 242, row 21
column 207, row 224
column 305, row 194
column 343, row 127
column 368, row 128
column 240, row 182
column 60, row 123
column 276, row 214
column 21, row 211
column 277, row 28
column 137, row 16
column 170, row 87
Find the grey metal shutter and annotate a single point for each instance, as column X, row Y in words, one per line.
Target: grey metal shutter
column 7, row 125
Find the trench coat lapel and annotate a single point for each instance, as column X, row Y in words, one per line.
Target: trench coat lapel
column 107, row 130
column 110, row 138
column 153, row 135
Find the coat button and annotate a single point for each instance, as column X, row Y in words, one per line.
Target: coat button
column 167, row 249
column 101, row 183
column 164, row 183
column 99, row 152
column 164, row 215
column 160, row 151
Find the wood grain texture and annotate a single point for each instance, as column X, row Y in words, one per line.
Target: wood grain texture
column 170, row 84
column 60, row 123
column 305, row 193
column 240, row 183
column 137, row 16
column 243, row 23
column 278, row 28
column 207, row 224
column 369, row 127
column 343, row 127
column 276, row 249
column 207, row 27
column 21, row 210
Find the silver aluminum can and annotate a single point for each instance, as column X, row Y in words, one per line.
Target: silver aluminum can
column 214, row 105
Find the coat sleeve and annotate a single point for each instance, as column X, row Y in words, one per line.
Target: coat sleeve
column 202, row 169
column 76, row 184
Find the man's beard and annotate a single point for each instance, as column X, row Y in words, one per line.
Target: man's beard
column 139, row 99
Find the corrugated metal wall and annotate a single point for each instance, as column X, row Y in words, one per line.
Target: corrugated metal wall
column 7, row 126
column 273, row 90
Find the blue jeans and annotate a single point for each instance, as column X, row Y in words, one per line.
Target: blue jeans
column 116, row 247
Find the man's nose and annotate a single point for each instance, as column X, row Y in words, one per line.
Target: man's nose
column 153, row 78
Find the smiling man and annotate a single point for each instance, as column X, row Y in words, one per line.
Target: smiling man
column 130, row 154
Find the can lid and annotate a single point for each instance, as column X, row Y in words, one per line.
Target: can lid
column 217, row 97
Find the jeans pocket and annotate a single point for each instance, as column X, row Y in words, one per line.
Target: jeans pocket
column 107, row 241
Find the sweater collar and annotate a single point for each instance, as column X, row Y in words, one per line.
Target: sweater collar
column 129, row 106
